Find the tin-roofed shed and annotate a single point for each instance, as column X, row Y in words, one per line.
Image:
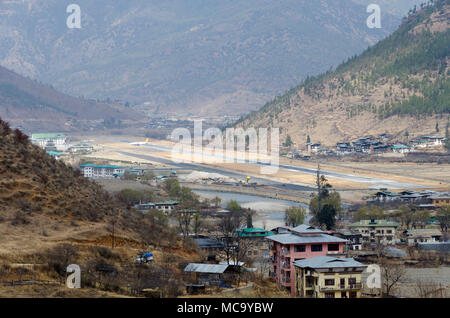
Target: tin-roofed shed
column 208, row 274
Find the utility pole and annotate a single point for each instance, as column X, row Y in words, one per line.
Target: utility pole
column 319, row 198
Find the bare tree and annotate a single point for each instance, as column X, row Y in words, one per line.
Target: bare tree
column 428, row 289
column 184, row 218
column 391, row 275
column 198, row 223
column 227, row 230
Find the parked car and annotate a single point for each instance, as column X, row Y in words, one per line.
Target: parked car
column 144, row 258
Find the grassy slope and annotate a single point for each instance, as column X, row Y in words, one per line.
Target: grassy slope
column 45, row 204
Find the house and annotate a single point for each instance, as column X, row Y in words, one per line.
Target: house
column 443, row 247
column 400, row 148
column 209, row 244
column 440, row 200
column 101, row 171
column 313, row 147
column 208, row 274
column 144, row 206
column 328, row 277
column 343, row 148
column 433, row 140
column 257, row 246
column 56, row 140
column 428, row 141
column 386, row 196
column 166, row 206
column 55, row 154
column 376, row 231
column 81, row 148
column 354, row 239
column 301, row 242
column 415, row 236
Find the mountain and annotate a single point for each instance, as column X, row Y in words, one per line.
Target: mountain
column 32, row 105
column 198, row 56
column 398, row 86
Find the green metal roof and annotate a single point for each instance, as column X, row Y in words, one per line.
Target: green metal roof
column 54, row 153
column 399, row 147
column 101, row 166
column 375, row 223
column 48, row 136
column 253, row 232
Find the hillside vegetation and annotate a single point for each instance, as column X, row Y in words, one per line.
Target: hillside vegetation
column 51, row 216
column 400, row 84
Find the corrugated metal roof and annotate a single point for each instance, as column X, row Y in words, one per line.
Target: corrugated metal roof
column 206, row 268
column 48, row 136
column 209, row 243
column 376, row 223
column 101, row 166
column 306, row 229
column 298, row 239
column 327, row 262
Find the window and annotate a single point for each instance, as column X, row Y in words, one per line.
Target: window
column 389, row 231
column 316, row 248
column 299, row 248
column 329, row 282
column 353, row 294
column 352, row 281
column 329, row 295
column 333, row 247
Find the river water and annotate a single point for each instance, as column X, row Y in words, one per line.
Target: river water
column 269, row 212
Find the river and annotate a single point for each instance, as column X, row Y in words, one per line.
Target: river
column 269, row 212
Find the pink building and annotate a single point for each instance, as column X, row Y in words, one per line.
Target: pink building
column 301, row 242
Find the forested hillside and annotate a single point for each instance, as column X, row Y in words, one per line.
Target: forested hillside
column 399, row 84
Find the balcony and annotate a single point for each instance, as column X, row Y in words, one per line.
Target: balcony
column 285, row 252
column 341, row 287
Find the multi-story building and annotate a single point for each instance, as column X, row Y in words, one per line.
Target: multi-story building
column 440, row 200
column 101, row 171
column 168, row 206
column 299, row 243
column 257, row 246
column 376, row 231
column 57, row 140
column 354, row 239
column 328, row 277
column 415, row 236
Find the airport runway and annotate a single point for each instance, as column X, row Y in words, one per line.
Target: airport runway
column 374, row 183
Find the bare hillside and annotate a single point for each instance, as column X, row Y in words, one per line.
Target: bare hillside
column 399, row 86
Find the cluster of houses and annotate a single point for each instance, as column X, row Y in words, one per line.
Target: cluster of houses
column 310, row 262
column 426, row 199
column 57, row 144
column 370, row 145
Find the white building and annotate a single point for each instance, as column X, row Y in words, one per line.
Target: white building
column 56, row 139
column 415, row 236
column 101, row 171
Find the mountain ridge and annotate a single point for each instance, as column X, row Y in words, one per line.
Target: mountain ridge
column 23, row 100
column 399, row 86
column 197, row 57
